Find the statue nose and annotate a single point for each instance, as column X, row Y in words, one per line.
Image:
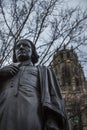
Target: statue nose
column 21, row 46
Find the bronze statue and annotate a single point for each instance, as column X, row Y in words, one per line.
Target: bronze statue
column 30, row 97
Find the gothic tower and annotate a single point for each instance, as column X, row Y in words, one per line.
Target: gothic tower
column 73, row 84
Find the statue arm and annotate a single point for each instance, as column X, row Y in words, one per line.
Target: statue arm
column 56, row 120
column 55, row 116
column 8, row 71
column 53, row 122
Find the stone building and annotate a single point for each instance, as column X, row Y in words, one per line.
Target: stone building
column 73, row 85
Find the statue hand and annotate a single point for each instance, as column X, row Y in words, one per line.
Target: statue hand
column 9, row 71
column 51, row 125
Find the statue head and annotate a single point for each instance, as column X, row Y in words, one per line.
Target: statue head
column 24, row 50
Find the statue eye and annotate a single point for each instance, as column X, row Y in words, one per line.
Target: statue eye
column 22, row 45
column 25, row 45
column 17, row 46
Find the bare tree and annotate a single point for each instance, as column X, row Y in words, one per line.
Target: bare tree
column 49, row 27
column 45, row 23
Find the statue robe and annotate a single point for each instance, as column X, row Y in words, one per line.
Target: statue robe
column 52, row 102
column 17, row 106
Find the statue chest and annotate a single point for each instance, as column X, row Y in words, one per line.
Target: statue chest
column 26, row 82
column 28, row 76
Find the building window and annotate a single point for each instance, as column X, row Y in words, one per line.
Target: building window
column 77, row 81
column 68, row 54
column 66, row 76
column 61, row 56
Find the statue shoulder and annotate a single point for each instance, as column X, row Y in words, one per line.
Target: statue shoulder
column 45, row 69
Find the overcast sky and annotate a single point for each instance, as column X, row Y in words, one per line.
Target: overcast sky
column 81, row 3
column 73, row 3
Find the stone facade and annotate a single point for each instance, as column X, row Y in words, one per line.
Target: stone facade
column 73, row 85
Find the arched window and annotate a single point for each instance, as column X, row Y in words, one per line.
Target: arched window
column 68, row 54
column 61, row 56
column 66, row 76
column 77, row 81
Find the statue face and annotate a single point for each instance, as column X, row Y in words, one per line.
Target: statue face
column 23, row 50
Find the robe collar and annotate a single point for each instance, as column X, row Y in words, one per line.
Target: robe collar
column 26, row 63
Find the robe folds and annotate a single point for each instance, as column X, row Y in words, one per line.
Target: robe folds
column 51, row 97
column 52, row 104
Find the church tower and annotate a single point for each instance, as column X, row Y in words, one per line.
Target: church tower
column 73, row 84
